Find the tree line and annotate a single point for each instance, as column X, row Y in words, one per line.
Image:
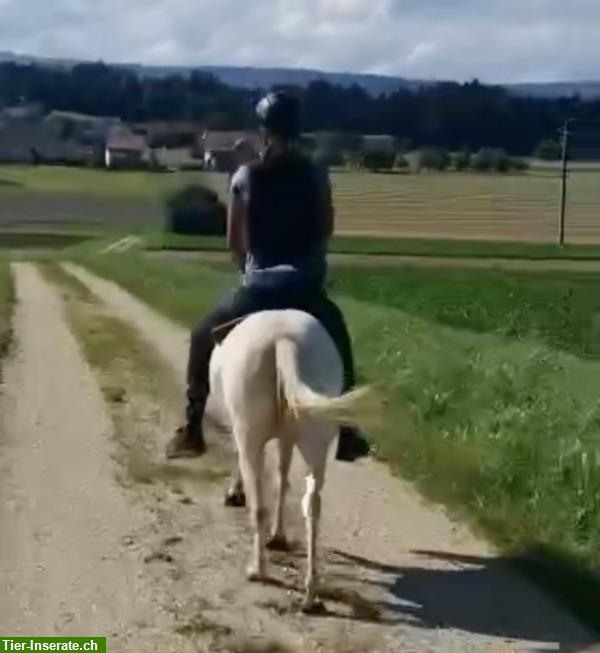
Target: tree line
column 450, row 115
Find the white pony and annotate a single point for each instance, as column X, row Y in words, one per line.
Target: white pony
column 278, row 374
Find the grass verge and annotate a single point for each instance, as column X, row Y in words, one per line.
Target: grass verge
column 492, row 385
column 181, row 291
column 41, row 240
column 406, row 247
column 7, row 299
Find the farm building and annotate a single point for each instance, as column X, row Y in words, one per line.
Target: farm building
column 26, row 136
column 124, row 149
column 176, row 158
column 220, row 149
column 164, row 134
column 88, row 131
column 378, row 143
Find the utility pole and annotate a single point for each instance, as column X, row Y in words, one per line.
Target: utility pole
column 564, row 174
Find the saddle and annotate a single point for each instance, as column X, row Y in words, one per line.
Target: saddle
column 220, row 332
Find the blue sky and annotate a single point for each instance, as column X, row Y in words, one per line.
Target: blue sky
column 494, row 40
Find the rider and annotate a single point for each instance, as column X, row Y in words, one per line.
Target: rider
column 280, row 218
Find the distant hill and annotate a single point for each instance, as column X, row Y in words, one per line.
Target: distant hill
column 588, row 90
column 249, row 77
column 253, row 77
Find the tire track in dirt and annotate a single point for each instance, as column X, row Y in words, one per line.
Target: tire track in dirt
column 398, row 571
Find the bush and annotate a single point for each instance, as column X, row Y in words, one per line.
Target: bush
column 491, row 159
column 327, row 156
column 433, row 158
column 404, row 145
column 339, row 141
column 197, row 210
column 353, row 160
column 462, row 161
column 329, row 150
column 400, row 162
column 519, row 165
column 378, row 160
column 548, row 150
column 350, row 142
column 336, row 148
column 308, row 144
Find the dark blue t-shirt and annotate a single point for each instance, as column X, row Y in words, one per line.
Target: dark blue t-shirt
column 308, row 270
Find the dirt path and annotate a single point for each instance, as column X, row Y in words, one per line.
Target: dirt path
column 384, row 260
column 62, row 515
column 399, row 573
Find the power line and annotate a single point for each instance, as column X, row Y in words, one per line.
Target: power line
column 564, row 131
column 565, row 134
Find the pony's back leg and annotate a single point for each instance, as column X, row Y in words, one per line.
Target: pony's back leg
column 235, row 497
column 251, row 456
column 285, row 443
column 313, row 443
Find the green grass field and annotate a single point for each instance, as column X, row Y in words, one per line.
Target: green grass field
column 492, row 384
column 88, row 181
column 450, row 206
column 77, row 199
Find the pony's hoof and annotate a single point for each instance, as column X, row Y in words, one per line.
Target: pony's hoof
column 278, row 543
column 313, row 607
column 254, row 574
column 235, row 500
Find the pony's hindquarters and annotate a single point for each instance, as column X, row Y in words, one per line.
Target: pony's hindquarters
column 279, row 373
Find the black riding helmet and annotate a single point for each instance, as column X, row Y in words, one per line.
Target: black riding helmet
column 279, row 113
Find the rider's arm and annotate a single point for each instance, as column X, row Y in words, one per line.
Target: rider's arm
column 236, row 230
column 327, row 210
column 329, row 215
column 236, row 221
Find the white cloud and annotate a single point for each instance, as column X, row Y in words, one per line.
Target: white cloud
column 421, row 51
column 344, row 10
column 495, row 40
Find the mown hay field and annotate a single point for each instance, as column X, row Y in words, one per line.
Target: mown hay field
column 466, row 206
column 496, row 207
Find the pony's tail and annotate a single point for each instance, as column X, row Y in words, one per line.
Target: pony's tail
column 300, row 400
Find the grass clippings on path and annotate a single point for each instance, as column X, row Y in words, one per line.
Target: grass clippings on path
column 144, row 399
column 7, row 299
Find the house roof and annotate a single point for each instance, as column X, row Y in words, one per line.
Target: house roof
column 22, row 112
column 17, row 140
column 379, row 141
column 121, row 137
column 226, row 140
column 155, row 127
column 379, row 138
column 81, row 117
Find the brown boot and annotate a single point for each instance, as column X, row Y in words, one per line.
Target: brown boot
column 186, row 444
